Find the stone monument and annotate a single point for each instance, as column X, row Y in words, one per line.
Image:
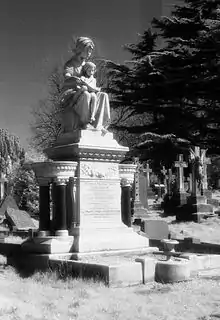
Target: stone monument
column 196, row 207
column 178, row 197
column 87, row 157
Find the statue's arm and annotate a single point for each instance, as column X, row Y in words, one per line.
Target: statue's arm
column 91, row 86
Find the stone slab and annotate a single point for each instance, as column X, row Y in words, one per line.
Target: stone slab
column 90, row 145
column 101, row 239
column 48, row 244
column 148, row 268
column 155, row 229
column 112, row 275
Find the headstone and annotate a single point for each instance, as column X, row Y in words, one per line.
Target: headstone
column 205, row 162
column 137, row 182
column 169, row 182
column 19, row 220
column 197, row 206
column 180, row 164
column 145, row 190
column 164, row 173
column 8, row 202
column 155, row 229
column 138, row 207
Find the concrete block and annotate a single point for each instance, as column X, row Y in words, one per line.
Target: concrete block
column 148, row 268
column 125, row 274
column 112, row 275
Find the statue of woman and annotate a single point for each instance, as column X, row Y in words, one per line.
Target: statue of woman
column 76, row 103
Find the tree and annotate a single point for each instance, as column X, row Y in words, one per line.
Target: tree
column 46, row 124
column 174, row 88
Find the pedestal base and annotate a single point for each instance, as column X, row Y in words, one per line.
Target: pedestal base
column 196, row 209
column 172, row 203
column 120, row 238
column 48, row 244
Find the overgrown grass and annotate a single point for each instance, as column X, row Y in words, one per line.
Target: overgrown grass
column 44, row 296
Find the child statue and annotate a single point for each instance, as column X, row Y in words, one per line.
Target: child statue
column 82, row 102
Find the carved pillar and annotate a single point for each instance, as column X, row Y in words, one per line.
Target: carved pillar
column 44, row 207
column 72, row 217
column 126, row 172
column 126, row 202
column 60, row 216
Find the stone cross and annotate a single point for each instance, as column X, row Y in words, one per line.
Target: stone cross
column 146, row 170
column 169, row 182
column 205, row 162
column 180, row 164
column 136, row 180
column 164, row 171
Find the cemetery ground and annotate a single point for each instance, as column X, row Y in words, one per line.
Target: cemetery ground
column 44, row 296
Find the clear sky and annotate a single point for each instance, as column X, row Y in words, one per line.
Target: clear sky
column 35, row 35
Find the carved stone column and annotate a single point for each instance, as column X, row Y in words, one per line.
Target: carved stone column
column 44, row 207
column 126, row 172
column 126, row 202
column 60, row 214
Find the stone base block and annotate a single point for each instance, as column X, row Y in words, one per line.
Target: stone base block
column 148, row 268
column 113, row 275
column 113, row 254
column 197, row 200
column 48, row 244
column 172, row 271
column 171, row 203
column 72, row 146
column 121, row 238
column 194, row 212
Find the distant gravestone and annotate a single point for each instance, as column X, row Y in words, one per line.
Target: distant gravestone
column 8, row 202
column 155, row 229
column 18, row 219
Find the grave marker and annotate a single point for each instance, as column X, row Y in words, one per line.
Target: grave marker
column 155, row 229
column 180, row 165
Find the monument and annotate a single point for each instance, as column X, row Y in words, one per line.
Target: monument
column 84, row 160
column 197, row 207
column 177, row 198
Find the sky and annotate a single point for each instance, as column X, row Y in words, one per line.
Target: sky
column 35, row 35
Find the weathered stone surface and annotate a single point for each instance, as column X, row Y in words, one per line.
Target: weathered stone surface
column 155, row 229
column 172, row 271
column 48, row 245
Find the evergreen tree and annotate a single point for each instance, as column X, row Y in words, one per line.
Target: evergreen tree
column 11, row 152
column 174, row 88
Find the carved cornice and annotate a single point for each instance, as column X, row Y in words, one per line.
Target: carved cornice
column 106, row 156
column 99, row 170
column 48, row 171
column 126, row 173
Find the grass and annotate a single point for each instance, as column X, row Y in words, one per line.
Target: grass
column 44, row 296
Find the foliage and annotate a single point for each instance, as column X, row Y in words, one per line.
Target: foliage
column 46, row 123
column 25, row 187
column 26, row 190
column 11, row 152
column 173, row 88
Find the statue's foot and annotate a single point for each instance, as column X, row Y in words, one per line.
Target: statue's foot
column 88, row 127
column 104, row 131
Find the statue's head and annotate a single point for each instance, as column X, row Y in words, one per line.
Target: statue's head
column 88, row 69
column 83, row 48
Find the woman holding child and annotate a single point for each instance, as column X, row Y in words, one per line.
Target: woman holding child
column 83, row 103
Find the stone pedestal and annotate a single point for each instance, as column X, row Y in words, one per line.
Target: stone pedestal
column 195, row 209
column 97, row 193
column 53, row 236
